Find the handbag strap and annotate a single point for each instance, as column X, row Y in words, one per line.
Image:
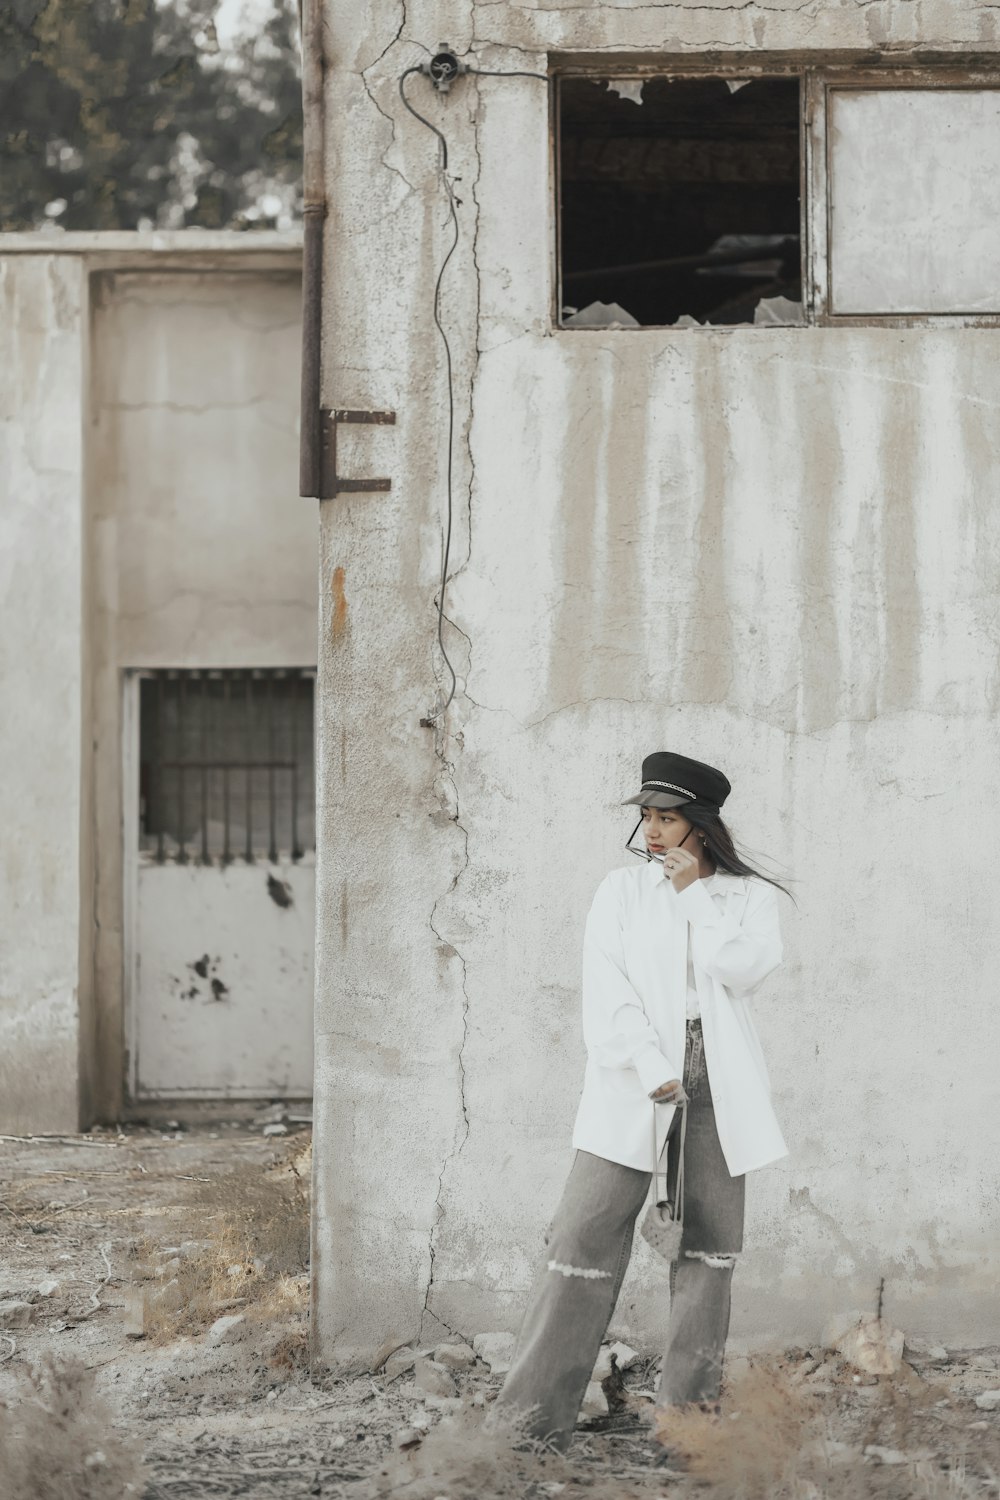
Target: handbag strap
column 679, row 1206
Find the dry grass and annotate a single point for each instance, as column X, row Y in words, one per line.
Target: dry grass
column 761, row 1446
column 253, row 1257
column 463, row 1458
column 57, row 1441
column 776, row 1440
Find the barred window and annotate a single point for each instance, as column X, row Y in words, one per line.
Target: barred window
column 226, row 767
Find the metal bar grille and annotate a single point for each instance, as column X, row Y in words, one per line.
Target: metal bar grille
column 181, row 822
column 226, row 853
column 205, row 733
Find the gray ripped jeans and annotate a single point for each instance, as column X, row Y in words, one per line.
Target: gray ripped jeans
column 589, row 1244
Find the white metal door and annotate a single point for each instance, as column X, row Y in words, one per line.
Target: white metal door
column 221, row 864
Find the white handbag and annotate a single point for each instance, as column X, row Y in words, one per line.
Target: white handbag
column 660, row 1227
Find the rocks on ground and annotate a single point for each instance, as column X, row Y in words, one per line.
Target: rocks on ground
column 15, row 1314
column 434, row 1378
column 228, row 1329
column 496, row 1350
column 625, row 1356
column 399, row 1361
column 870, row 1344
column 434, row 1370
column 595, row 1402
column 918, row 1351
column 455, row 1356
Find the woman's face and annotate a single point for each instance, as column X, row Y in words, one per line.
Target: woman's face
column 664, row 828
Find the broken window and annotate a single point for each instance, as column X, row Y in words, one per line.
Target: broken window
column 915, row 197
column 226, row 764
column 679, row 201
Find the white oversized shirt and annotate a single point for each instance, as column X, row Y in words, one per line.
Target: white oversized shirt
column 635, row 965
column 693, row 1003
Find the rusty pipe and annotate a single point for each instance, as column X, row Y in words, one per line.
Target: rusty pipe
column 313, row 218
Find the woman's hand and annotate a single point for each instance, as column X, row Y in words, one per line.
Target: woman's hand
column 681, row 868
column 669, row 1093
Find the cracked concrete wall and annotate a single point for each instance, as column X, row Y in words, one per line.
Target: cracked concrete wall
column 43, row 320
column 773, row 549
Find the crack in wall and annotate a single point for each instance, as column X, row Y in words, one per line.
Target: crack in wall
column 477, row 352
column 390, row 119
column 441, row 733
column 389, row 45
column 190, row 408
column 449, row 769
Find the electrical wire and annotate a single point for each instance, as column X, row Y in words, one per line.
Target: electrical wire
column 443, row 173
column 446, row 182
column 422, row 118
column 516, row 73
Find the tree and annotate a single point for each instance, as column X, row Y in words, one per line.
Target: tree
column 125, row 114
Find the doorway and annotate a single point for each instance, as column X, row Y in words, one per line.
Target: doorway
column 219, row 882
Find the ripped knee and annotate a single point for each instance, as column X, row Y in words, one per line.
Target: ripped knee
column 720, row 1262
column 566, row 1270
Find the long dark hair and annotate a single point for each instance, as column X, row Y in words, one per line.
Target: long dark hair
column 719, row 843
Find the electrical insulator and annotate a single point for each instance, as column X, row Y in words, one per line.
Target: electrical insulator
column 443, row 68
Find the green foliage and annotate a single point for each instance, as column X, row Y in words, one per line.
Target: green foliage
column 128, row 112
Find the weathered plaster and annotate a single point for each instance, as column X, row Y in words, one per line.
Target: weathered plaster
column 797, row 25
column 202, row 553
column 42, row 312
column 148, row 442
column 775, row 549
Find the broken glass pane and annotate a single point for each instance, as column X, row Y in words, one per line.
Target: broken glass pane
column 680, row 202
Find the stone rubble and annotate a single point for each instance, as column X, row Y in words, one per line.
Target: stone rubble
column 626, row 1358
column 398, row 1363
column 433, row 1378
column 496, row 1350
column 595, row 1403
column 870, row 1344
column 455, row 1356
column 15, row 1314
column 227, row 1329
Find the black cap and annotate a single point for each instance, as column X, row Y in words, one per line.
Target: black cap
column 670, row 780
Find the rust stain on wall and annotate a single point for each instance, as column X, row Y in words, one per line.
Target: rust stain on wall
column 339, row 603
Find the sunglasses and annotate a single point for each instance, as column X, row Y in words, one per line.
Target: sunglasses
column 644, row 853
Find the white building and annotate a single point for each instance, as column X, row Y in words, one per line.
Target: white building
column 768, row 541
column 157, row 657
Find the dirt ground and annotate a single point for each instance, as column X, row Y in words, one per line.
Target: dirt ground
column 121, row 1249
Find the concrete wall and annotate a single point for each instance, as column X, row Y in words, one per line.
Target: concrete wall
column 772, row 549
column 148, row 453
column 204, row 555
column 43, row 329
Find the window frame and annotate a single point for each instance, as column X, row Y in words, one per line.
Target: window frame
column 294, row 851
column 825, row 82
column 817, row 81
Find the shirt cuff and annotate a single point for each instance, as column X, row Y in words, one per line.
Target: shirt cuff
column 697, row 905
column 653, row 1068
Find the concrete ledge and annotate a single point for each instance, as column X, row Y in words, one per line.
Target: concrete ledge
column 157, row 242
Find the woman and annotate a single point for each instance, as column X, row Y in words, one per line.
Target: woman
column 673, row 949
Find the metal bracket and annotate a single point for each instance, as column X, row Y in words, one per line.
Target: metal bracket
column 331, row 483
